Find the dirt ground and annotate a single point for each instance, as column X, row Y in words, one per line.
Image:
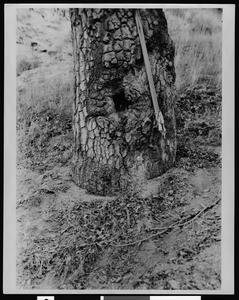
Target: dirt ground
column 186, row 208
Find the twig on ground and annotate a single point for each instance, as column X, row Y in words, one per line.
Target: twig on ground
column 145, row 239
column 200, row 212
column 172, row 226
column 66, row 229
column 172, row 215
column 128, row 217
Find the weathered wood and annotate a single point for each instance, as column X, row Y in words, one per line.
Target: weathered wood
column 158, row 113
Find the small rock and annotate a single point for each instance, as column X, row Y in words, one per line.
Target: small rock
column 174, row 284
column 143, row 286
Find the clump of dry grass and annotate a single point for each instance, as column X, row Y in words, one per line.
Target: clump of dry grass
column 46, row 95
column 26, row 64
column 197, row 34
column 44, row 111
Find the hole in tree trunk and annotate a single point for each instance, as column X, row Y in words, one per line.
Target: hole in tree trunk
column 121, row 103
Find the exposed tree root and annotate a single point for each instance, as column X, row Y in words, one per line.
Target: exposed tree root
column 179, row 223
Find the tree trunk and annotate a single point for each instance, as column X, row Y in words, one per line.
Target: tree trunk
column 116, row 135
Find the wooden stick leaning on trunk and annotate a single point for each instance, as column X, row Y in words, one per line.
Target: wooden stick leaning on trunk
column 158, row 113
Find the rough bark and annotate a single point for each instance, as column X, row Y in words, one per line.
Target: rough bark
column 116, row 135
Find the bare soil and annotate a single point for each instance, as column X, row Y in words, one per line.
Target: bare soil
column 168, row 239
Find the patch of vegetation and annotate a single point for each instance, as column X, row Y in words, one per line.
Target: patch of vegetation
column 26, row 64
column 197, row 34
column 44, row 121
column 198, row 116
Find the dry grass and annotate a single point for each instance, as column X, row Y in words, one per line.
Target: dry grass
column 27, row 63
column 44, row 111
column 53, row 95
column 197, row 34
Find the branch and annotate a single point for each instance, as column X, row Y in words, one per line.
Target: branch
column 172, row 226
column 158, row 114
